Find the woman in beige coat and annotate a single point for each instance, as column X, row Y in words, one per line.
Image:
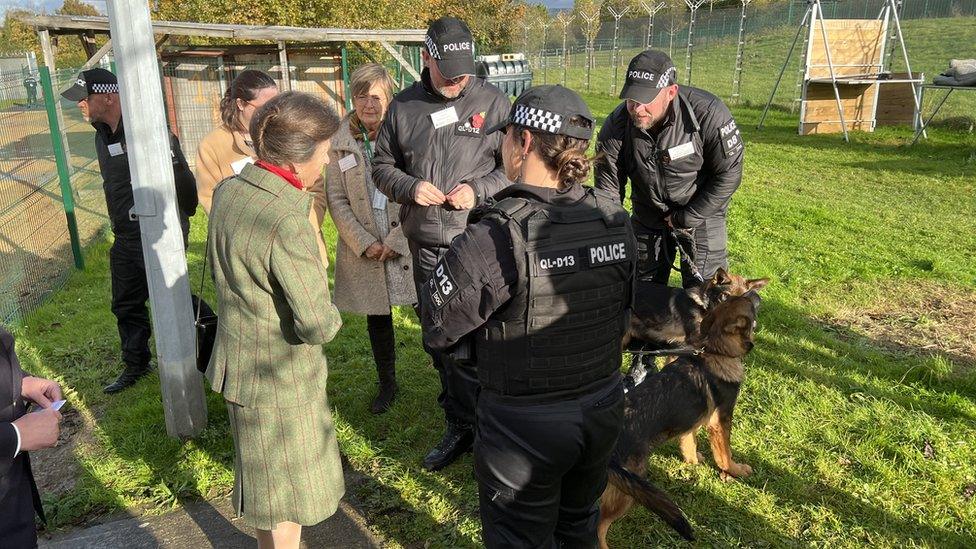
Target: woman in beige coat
column 228, row 148
column 373, row 268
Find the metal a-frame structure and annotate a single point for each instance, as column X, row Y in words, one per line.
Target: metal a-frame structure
column 851, row 66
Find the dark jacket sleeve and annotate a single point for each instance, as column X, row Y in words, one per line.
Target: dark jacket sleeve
column 474, row 278
column 186, row 184
column 494, row 181
column 8, row 365
column 722, row 151
column 388, row 162
column 609, row 173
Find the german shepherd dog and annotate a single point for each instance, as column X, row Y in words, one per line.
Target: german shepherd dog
column 688, row 393
column 665, row 316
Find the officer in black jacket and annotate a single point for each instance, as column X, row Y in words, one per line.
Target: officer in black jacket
column 20, row 433
column 433, row 157
column 537, row 291
column 682, row 152
column 97, row 93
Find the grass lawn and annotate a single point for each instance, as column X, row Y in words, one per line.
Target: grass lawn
column 858, row 413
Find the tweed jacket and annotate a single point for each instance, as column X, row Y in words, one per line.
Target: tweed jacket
column 360, row 282
column 272, row 290
column 215, row 156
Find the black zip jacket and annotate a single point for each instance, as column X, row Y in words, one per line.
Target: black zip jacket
column 113, row 162
column 409, row 149
column 688, row 168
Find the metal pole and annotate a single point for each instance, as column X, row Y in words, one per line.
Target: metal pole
column 151, row 169
column 739, row 52
column 285, row 69
column 542, row 52
column 614, row 53
column 803, row 24
column 61, row 160
column 48, row 51
column 693, row 5
column 346, row 87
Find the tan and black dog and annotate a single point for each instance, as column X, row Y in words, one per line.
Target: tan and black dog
column 665, row 316
column 688, row 393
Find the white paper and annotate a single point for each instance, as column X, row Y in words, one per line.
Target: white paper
column 347, row 162
column 239, row 165
column 681, row 151
column 444, row 117
column 57, row 404
column 115, row 149
column 379, row 200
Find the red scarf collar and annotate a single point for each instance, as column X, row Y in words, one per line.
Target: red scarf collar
column 282, row 173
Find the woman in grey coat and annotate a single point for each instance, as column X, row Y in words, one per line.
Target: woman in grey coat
column 373, row 267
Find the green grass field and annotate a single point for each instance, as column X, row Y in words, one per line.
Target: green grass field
column 858, row 413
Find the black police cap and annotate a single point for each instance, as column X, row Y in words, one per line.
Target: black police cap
column 550, row 109
column 647, row 74
column 450, row 43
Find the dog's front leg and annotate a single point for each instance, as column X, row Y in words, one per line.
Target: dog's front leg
column 689, row 447
column 720, row 436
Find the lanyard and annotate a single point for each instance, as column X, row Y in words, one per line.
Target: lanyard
column 366, row 144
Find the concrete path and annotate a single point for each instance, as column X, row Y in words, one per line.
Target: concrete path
column 210, row 524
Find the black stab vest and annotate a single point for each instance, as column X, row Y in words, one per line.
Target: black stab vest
column 562, row 329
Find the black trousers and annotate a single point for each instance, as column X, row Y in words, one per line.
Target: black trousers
column 130, row 291
column 657, row 250
column 19, row 505
column 541, row 468
column 459, row 381
column 382, row 339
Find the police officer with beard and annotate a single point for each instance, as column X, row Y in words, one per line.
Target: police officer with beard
column 682, row 152
column 537, row 292
column 433, row 157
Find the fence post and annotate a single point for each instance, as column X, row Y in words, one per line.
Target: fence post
column 345, row 79
column 61, row 160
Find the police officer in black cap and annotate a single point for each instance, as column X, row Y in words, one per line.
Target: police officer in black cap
column 682, row 152
column 537, row 293
column 433, row 157
column 97, row 93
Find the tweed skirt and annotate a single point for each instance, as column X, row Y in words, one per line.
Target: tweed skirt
column 286, row 464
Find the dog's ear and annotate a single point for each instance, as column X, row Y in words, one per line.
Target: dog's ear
column 721, row 277
column 756, row 283
column 740, row 324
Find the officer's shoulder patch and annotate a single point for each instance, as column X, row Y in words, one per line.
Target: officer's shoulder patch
column 731, row 138
column 442, row 285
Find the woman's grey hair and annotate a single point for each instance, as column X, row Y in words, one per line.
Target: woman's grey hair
column 364, row 77
column 289, row 127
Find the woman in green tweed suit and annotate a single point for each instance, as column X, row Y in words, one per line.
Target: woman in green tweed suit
column 275, row 314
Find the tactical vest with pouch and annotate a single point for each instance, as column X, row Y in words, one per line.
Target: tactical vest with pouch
column 562, row 329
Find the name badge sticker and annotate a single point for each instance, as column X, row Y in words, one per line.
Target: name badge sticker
column 680, row 151
column 379, row 200
column 238, row 166
column 115, row 149
column 347, row 162
column 444, row 117
column 607, row 254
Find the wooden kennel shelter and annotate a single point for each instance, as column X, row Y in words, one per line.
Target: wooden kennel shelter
column 847, row 83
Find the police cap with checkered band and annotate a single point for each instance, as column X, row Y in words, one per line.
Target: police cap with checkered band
column 647, row 74
column 449, row 43
column 550, row 109
column 91, row 82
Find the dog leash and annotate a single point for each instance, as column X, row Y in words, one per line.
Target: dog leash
column 677, row 351
column 684, row 258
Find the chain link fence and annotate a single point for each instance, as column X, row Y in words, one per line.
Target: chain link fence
column 35, row 246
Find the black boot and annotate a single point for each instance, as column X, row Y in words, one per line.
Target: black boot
column 383, row 343
column 458, row 439
column 128, row 378
column 388, row 388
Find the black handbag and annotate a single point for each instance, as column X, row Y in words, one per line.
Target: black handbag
column 205, row 321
